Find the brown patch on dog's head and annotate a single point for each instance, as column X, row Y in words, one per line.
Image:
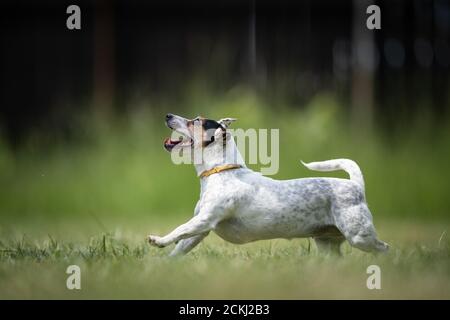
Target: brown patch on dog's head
column 199, row 132
column 209, row 130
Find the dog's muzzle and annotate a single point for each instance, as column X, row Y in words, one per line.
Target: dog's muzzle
column 183, row 141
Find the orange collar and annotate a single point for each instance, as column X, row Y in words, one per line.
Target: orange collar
column 218, row 169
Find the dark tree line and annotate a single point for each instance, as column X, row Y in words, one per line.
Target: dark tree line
column 284, row 50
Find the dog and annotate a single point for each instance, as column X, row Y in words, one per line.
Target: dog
column 242, row 206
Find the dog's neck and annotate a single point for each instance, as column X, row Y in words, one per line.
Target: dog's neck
column 219, row 155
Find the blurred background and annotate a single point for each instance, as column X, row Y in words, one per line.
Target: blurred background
column 82, row 111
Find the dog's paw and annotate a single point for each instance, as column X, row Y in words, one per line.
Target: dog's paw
column 155, row 241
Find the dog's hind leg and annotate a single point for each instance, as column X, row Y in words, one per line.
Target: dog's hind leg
column 186, row 245
column 355, row 223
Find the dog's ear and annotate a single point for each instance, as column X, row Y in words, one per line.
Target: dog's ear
column 225, row 122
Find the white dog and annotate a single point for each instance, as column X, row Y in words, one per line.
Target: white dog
column 241, row 205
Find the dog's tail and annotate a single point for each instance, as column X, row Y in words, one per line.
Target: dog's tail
column 347, row 165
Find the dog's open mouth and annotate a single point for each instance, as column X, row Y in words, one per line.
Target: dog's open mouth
column 182, row 141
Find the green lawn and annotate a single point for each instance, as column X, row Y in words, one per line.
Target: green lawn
column 34, row 256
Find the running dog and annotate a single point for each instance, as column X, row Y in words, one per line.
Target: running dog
column 241, row 205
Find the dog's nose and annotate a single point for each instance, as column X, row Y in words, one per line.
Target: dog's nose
column 169, row 116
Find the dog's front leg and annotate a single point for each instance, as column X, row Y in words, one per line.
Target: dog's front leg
column 197, row 225
column 186, row 245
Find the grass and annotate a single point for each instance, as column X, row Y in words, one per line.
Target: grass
column 120, row 264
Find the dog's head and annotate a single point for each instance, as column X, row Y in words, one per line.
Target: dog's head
column 196, row 133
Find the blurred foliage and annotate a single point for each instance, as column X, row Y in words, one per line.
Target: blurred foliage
column 117, row 165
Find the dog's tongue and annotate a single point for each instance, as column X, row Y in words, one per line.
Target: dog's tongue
column 171, row 142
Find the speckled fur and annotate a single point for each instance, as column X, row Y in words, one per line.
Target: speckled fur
column 241, row 205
